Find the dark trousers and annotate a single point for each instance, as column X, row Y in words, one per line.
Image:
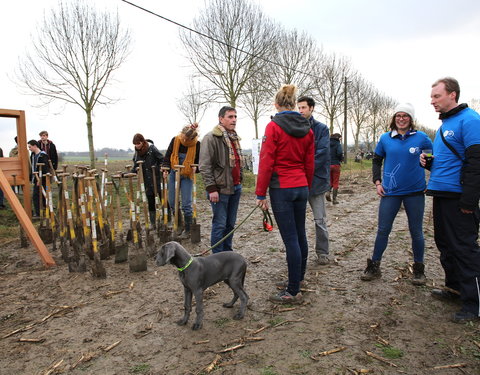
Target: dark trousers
column 36, row 198
column 456, row 236
column 289, row 206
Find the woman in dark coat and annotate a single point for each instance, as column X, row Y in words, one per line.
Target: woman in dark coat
column 149, row 154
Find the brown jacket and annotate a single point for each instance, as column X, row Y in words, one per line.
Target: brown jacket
column 214, row 163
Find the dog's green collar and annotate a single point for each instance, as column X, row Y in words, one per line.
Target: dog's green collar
column 186, row 265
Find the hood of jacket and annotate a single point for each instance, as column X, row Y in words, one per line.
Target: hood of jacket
column 292, row 123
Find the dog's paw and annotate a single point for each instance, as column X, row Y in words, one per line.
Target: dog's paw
column 228, row 305
column 238, row 316
column 196, row 326
column 182, row 322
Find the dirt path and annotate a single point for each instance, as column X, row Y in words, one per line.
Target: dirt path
column 77, row 319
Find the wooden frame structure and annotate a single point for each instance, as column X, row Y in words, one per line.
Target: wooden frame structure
column 19, row 166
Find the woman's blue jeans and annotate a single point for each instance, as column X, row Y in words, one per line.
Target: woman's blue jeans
column 389, row 206
column 186, row 187
column 289, row 206
column 224, row 218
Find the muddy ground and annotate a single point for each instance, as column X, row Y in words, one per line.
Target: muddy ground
column 53, row 321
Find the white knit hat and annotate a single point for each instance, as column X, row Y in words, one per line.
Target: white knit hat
column 407, row 108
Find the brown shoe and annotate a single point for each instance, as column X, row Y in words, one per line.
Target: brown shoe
column 287, row 298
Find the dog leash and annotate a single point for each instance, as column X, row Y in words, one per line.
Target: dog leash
column 228, row 234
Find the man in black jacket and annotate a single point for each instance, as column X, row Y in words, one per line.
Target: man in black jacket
column 37, row 157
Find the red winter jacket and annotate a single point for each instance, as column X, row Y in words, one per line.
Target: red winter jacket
column 287, row 154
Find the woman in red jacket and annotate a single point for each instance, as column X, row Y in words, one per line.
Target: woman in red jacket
column 286, row 169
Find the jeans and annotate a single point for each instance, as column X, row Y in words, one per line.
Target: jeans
column 289, row 206
column 186, row 187
column 317, row 203
column 224, row 218
column 389, row 206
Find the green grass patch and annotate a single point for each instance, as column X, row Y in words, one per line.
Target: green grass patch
column 140, row 369
column 390, row 351
column 221, row 322
column 269, row 370
column 275, row 321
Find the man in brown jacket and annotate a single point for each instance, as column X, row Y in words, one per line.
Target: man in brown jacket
column 221, row 163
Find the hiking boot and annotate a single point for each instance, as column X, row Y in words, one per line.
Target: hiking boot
column 322, row 260
column 287, row 298
column 445, row 295
column 284, row 284
column 419, row 274
column 335, row 193
column 464, row 317
column 372, row 271
column 188, row 224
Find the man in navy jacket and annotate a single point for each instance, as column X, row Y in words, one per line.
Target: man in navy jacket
column 321, row 178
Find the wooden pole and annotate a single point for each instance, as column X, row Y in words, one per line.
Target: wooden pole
column 25, row 221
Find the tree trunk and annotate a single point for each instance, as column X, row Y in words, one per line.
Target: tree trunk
column 90, row 138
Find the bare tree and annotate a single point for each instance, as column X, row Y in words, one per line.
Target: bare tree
column 381, row 111
column 194, row 102
column 360, row 94
column 295, row 55
column 331, row 72
column 474, row 104
column 257, row 100
column 235, row 36
column 75, row 52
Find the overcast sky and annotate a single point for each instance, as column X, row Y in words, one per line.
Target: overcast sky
column 399, row 46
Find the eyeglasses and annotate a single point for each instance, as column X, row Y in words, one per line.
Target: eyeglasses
column 402, row 116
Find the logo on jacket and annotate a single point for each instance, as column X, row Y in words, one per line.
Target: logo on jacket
column 414, row 150
column 448, row 133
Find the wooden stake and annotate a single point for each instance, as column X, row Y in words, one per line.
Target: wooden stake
column 456, row 365
column 378, row 358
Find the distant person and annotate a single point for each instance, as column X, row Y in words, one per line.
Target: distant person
column 403, row 181
column 286, row 169
column 221, row 164
column 1, row 191
column 37, row 156
column 336, row 158
column 49, row 148
column 151, row 157
column 14, row 151
column 321, row 178
column 455, row 186
column 184, row 149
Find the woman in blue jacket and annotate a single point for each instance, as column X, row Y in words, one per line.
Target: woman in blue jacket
column 403, row 182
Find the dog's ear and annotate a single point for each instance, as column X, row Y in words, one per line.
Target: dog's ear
column 168, row 251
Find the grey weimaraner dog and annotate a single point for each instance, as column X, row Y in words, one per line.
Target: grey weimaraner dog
column 197, row 274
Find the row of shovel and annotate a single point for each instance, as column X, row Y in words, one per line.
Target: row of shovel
column 88, row 218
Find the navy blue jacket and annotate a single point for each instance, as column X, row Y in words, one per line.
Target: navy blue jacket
column 321, row 176
column 336, row 151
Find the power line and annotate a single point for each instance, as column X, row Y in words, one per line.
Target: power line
column 217, row 40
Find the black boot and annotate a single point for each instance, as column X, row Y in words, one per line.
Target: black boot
column 335, row 193
column 419, row 274
column 372, row 271
column 188, row 224
column 153, row 217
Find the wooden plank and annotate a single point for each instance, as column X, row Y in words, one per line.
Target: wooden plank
column 13, row 166
column 25, row 221
column 25, row 160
